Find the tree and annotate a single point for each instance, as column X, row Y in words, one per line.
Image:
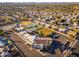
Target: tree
column 1, row 32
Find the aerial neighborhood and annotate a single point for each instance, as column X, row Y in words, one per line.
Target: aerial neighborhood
column 39, row 30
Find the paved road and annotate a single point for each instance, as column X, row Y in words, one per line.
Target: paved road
column 24, row 48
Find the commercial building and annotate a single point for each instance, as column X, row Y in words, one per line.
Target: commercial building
column 41, row 42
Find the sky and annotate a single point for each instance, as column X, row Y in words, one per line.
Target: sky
column 39, row 0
